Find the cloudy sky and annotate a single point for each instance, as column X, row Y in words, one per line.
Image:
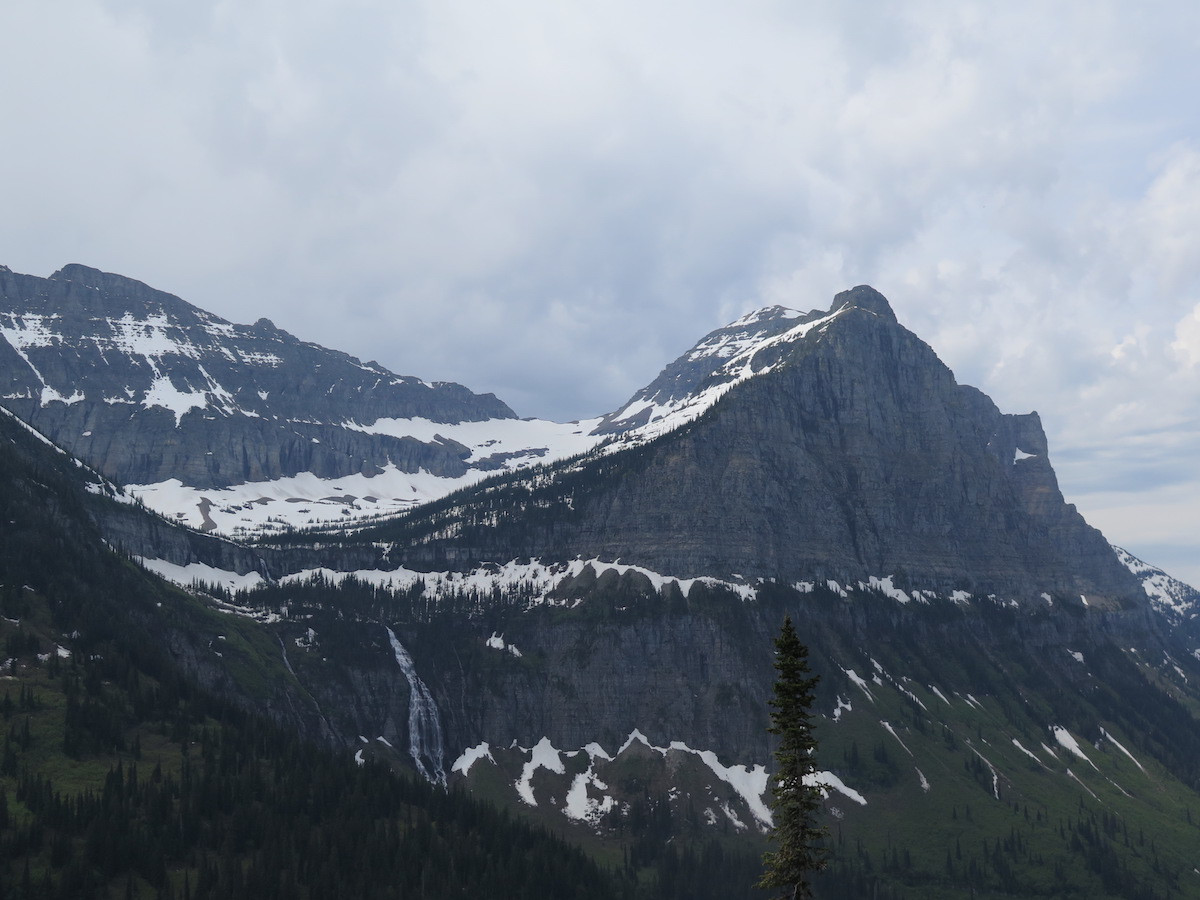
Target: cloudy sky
column 551, row 200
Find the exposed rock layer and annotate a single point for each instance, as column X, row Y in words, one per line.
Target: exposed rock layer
column 147, row 387
column 854, row 453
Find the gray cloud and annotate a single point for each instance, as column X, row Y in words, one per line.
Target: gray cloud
column 550, row 201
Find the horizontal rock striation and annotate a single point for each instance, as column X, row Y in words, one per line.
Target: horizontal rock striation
column 147, row 387
column 851, row 452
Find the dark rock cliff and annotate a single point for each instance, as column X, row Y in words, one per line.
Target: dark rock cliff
column 853, row 453
column 147, row 387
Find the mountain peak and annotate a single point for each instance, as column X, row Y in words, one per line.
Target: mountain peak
column 864, row 297
column 763, row 314
column 87, row 275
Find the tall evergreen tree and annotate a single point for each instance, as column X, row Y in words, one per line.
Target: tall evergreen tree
column 795, row 801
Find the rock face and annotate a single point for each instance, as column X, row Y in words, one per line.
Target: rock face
column 841, row 448
column 147, row 387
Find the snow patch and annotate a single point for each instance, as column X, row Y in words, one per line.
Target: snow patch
column 497, row 642
column 861, row 682
column 541, row 756
column 582, row 807
column 828, row 781
column 194, row 573
column 1019, row 746
column 1068, row 742
column 842, row 705
column 470, row 756
column 750, row 783
column 887, row 588
column 1121, row 747
column 892, row 731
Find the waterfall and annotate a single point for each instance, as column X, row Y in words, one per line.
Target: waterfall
column 424, row 726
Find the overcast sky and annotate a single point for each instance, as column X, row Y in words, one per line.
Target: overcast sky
column 551, row 200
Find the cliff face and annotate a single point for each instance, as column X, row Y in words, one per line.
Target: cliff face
column 858, row 455
column 147, row 387
column 842, row 450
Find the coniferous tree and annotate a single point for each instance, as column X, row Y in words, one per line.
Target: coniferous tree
column 794, row 805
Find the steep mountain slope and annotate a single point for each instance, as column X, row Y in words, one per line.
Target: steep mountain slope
column 120, row 775
column 1006, row 709
column 236, row 426
column 839, row 449
column 1178, row 602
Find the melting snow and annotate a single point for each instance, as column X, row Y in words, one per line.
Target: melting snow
column 992, row 769
column 1082, row 785
column 861, row 682
column 749, row 783
column 1018, row 745
column 888, row 589
column 163, row 393
column 497, row 642
column 582, row 808
column 892, row 732
column 192, row 573
column 470, row 756
column 1065, row 740
column 1121, row 747
column 828, row 781
column 541, row 756
column 841, row 705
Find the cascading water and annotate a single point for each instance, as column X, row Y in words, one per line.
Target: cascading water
column 424, row 726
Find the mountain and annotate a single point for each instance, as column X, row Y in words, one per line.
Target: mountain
column 137, row 760
column 1179, row 603
column 1008, row 706
column 836, row 448
column 237, row 427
